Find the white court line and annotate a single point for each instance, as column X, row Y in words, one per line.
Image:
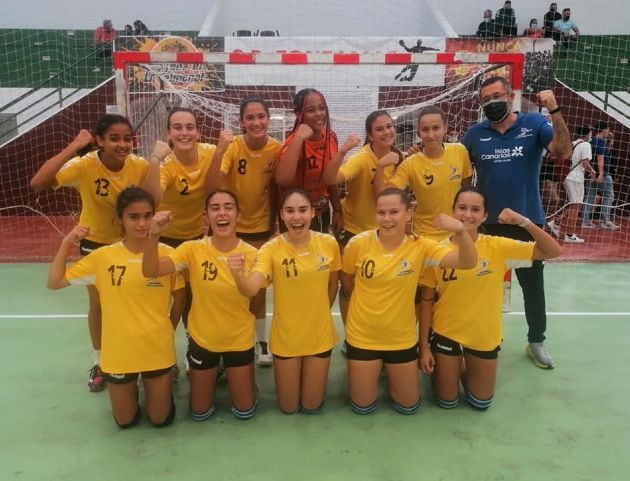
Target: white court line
column 515, row 313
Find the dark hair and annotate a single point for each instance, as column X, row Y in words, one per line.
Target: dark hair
column 223, row 191
column 252, row 100
column 177, row 110
column 131, row 195
column 433, row 110
column 600, row 126
column 107, row 121
column 402, row 195
column 475, row 190
column 566, row 10
column 299, row 191
column 496, row 78
column 583, row 130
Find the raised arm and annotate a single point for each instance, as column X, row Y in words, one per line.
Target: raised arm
column 57, row 272
column 465, row 256
column 287, row 167
column 151, row 182
column 248, row 285
column 45, row 176
column 331, row 174
column 152, row 264
column 388, row 159
column 546, row 246
column 560, row 145
column 214, row 177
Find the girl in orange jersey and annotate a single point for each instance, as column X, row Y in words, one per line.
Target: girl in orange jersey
column 303, row 266
column 137, row 332
column 305, row 155
column 244, row 164
column 100, row 176
column 221, row 327
column 461, row 333
column 381, row 269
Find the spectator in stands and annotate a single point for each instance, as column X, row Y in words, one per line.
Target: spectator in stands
column 603, row 181
column 566, row 28
column 128, row 30
column 105, row 35
column 505, row 20
column 139, row 28
column 549, row 19
column 487, row 28
column 533, row 31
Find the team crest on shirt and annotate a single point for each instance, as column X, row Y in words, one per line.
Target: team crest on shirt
column 154, row 282
column 525, row 132
column 268, row 168
column 454, row 175
column 323, row 263
column 405, row 268
column 484, row 268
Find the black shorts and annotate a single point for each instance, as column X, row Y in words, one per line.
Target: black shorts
column 86, row 246
column 133, row 376
column 254, row 236
column 399, row 356
column 449, row 347
column 200, row 358
column 323, row 355
column 343, row 237
column 174, row 243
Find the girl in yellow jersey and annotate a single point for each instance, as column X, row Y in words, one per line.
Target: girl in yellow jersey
column 303, row 266
column 435, row 174
column 381, row 270
column 99, row 177
column 358, row 206
column 220, row 324
column 244, row 164
column 465, row 323
column 137, row 331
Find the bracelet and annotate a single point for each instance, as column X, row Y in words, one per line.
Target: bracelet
column 525, row 223
column 556, row 110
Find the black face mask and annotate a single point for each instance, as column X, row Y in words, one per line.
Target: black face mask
column 496, row 110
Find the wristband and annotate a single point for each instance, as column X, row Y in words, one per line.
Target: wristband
column 556, row 110
column 525, row 223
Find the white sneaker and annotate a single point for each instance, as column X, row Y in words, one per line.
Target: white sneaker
column 539, row 354
column 263, row 356
column 573, row 239
column 610, row 225
column 554, row 228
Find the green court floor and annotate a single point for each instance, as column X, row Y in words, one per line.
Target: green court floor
column 570, row 423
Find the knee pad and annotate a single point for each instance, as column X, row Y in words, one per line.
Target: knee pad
column 317, row 410
column 444, row 404
column 362, row 409
column 406, row 409
column 202, row 416
column 132, row 423
column 248, row 414
column 478, row 404
column 169, row 419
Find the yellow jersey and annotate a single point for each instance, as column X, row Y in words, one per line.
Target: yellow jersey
column 382, row 314
column 302, row 323
column 137, row 334
column 248, row 174
column 434, row 182
column 359, row 205
column 99, row 188
column 185, row 193
column 219, row 319
column 468, row 309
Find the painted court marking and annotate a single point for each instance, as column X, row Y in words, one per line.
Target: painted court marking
column 516, row 313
